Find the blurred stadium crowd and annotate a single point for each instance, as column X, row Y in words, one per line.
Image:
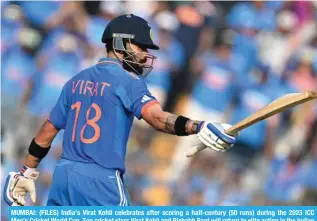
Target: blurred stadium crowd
column 218, row 61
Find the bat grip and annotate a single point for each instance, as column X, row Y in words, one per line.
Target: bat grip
column 232, row 131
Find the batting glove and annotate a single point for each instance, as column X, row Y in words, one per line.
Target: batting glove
column 17, row 185
column 213, row 135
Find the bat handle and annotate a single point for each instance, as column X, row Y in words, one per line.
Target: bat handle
column 233, row 131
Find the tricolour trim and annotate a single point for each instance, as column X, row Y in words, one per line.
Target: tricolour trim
column 119, row 187
column 123, row 191
column 113, row 62
column 123, row 200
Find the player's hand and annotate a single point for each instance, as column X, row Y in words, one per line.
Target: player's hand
column 18, row 185
column 213, row 135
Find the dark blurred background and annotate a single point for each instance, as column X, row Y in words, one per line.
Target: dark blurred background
column 218, row 61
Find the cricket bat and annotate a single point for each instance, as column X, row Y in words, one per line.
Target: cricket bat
column 279, row 105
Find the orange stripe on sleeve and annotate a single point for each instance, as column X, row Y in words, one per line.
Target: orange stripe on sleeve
column 148, row 105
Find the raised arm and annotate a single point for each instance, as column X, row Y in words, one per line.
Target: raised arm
column 165, row 121
column 210, row 134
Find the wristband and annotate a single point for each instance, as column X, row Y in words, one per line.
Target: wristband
column 180, row 126
column 38, row 151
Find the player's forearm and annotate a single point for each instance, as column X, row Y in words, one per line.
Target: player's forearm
column 32, row 161
column 46, row 134
column 166, row 124
column 41, row 144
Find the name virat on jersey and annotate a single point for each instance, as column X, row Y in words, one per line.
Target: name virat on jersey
column 89, row 88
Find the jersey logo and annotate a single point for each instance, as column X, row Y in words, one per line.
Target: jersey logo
column 145, row 98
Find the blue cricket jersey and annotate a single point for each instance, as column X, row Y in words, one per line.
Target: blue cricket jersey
column 96, row 110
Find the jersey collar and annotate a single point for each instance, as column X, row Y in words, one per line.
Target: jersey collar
column 109, row 61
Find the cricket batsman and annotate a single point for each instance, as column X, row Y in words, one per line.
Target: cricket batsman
column 96, row 110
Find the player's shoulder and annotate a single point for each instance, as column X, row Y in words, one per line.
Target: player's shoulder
column 126, row 77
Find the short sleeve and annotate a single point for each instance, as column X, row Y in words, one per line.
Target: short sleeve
column 135, row 96
column 58, row 115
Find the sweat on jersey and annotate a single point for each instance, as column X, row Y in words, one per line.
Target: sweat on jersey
column 96, row 110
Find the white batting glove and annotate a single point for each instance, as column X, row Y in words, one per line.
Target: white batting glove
column 213, row 135
column 17, row 185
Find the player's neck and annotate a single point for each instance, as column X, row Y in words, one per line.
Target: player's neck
column 111, row 54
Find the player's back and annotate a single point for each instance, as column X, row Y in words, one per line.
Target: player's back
column 98, row 105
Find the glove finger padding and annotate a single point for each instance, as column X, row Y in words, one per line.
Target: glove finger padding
column 212, row 140
column 16, row 188
column 213, row 136
column 19, row 199
column 218, row 130
column 213, row 145
column 208, row 135
column 24, row 186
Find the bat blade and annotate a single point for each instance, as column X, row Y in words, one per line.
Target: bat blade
column 279, row 105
